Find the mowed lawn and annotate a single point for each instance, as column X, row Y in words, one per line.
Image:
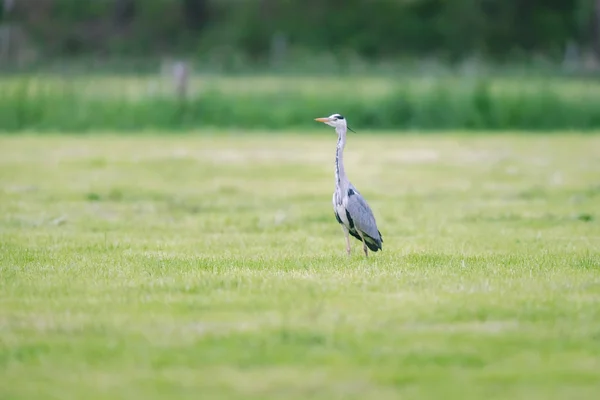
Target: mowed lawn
column 210, row 265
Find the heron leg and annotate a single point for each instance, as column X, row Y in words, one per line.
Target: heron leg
column 347, row 234
column 365, row 248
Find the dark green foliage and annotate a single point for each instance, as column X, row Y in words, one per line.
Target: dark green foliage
column 373, row 29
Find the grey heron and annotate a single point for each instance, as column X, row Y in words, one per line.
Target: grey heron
column 351, row 209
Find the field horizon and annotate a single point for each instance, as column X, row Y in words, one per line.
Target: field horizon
column 470, row 102
column 150, row 266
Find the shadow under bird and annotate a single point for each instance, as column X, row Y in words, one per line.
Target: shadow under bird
column 350, row 208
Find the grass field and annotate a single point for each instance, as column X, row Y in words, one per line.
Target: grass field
column 117, row 103
column 367, row 86
column 211, row 266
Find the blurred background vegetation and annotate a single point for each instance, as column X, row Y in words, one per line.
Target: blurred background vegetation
column 389, row 64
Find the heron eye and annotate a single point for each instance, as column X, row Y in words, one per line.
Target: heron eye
column 339, row 116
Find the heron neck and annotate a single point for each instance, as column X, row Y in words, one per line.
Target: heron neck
column 340, row 172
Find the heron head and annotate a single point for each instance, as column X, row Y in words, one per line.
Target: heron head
column 334, row 120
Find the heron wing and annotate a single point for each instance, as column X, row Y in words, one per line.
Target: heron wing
column 362, row 216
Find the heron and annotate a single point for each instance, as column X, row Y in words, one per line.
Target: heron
column 350, row 208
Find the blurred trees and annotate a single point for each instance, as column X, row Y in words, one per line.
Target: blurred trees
column 373, row 29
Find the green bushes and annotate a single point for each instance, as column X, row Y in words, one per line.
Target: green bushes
column 442, row 104
column 372, row 29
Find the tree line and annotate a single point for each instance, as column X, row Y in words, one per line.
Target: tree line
column 371, row 29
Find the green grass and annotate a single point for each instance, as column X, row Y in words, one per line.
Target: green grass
column 211, row 266
column 117, row 103
column 140, row 86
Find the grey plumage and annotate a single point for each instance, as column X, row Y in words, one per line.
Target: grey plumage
column 363, row 220
column 350, row 208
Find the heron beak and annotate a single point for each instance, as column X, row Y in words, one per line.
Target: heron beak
column 322, row 120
